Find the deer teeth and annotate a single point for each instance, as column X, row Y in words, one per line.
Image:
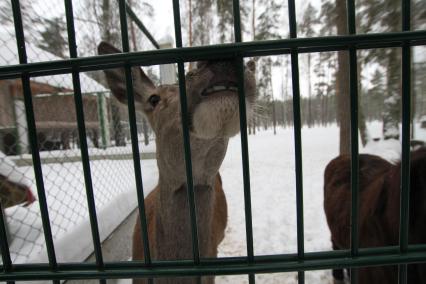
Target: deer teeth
column 218, row 88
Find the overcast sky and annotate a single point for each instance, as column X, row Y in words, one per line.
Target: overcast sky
column 162, row 26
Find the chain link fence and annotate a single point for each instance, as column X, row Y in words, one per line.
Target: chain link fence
column 106, row 123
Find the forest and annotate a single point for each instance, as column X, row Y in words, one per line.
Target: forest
column 324, row 84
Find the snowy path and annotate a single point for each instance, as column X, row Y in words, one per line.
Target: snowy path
column 272, row 177
column 273, row 198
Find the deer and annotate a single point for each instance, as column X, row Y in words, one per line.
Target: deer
column 12, row 190
column 13, row 193
column 379, row 195
column 213, row 110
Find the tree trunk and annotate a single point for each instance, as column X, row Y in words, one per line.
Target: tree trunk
column 253, row 19
column 253, row 120
column 392, row 112
column 106, row 17
column 145, row 129
column 274, row 117
column 284, row 94
column 190, row 67
column 309, row 93
column 119, row 135
column 413, row 96
column 190, row 23
column 132, row 29
column 361, row 117
column 342, row 83
column 106, row 20
column 134, row 43
column 274, row 114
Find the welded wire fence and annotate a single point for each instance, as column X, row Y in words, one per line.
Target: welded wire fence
column 401, row 255
column 107, row 125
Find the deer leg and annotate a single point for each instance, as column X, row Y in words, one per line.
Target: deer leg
column 338, row 274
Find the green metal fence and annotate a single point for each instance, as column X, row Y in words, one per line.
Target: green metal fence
column 302, row 261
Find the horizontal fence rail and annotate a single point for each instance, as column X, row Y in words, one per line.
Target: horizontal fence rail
column 230, row 266
column 244, row 49
column 302, row 261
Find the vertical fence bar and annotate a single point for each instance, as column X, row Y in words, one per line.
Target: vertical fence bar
column 32, row 135
column 134, row 136
column 405, row 159
column 4, row 246
column 244, row 139
column 78, row 100
column 353, row 92
column 186, row 141
column 297, row 138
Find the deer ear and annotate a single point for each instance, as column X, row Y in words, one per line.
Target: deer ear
column 251, row 64
column 116, row 79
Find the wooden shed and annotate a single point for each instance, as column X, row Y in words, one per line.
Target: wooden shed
column 54, row 108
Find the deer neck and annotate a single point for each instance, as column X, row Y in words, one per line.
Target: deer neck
column 173, row 218
column 173, row 225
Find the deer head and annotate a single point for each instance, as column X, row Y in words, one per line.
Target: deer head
column 212, row 98
column 13, row 193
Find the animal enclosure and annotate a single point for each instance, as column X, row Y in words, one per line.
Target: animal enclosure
column 250, row 265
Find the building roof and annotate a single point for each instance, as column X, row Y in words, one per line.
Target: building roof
column 9, row 56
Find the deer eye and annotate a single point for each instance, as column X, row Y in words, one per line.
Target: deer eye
column 154, row 100
column 190, row 74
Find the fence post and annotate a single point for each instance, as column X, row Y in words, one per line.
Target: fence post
column 167, row 71
column 21, row 127
column 103, row 120
column 6, row 225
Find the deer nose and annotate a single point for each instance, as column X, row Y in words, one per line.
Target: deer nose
column 223, row 68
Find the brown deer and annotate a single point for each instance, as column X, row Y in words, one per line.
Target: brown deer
column 211, row 90
column 379, row 193
column 14, row 193
column 12, row 190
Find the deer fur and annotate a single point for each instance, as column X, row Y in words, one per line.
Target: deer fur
column 214, row 118
column 379, row 195
column 14, row 193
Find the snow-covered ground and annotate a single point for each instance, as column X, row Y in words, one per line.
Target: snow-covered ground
column 274, row 198
column 272, row 177
column 114, row 190
column 273, row 195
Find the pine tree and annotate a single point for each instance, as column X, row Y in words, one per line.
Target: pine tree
column 309, row 19
column 54, row 37
column 30, row 19
column 373, row 99
column 385, row 16
column 418, row 14
column 202, row 22
column 225, row 20
column 334, row 18
column 268, row 27
column 324, row 88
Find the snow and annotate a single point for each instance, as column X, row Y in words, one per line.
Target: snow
column 273, row 192
column 392, row 100
column 389, row 149
column 9, row 55
column 115, row 198
column 272, row 180
column 9, row 169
